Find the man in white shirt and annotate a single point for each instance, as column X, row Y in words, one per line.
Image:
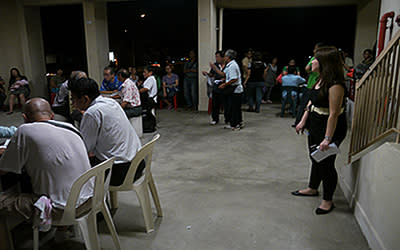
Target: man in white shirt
column 105, row 128
column 150, row 84
column 53, row 155
column 61, row 102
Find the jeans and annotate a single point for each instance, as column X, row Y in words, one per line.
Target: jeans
column 254, row 94
column 191, row 91
column 236, row 110
column 289, row 95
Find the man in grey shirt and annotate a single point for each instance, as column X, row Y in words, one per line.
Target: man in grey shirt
column 52, row 154
column 105, row 128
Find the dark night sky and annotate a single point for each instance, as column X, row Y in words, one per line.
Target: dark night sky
column 289, row 32
column 170, row 29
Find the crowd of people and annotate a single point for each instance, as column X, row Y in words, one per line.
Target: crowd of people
column 54, row 154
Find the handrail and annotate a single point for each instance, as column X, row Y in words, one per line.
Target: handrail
column 377, row 101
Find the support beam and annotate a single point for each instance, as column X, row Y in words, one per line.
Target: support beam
column 221, row 28
column 34, row 59
column 207, row 14
column 96, row 36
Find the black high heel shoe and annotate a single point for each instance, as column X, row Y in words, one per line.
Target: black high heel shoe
column 320, row 211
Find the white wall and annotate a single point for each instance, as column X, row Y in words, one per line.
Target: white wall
column 372, row 186
column 388, row 6
column 21, row 44
column 367, row 28
column 10, row 41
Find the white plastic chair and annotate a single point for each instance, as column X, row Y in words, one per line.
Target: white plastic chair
column 137, row 124
column 140, row 185
column 87, row 222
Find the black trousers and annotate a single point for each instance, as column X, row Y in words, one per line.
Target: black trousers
column 236, row 110
column 119, row 171
column 217, row 101
column 227, row 100
column 325, row 170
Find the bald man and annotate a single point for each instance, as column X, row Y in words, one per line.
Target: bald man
column 51, row 153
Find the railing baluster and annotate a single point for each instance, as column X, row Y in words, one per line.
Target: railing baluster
column 377, row 103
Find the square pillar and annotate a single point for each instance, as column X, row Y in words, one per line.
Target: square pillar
column 96, row 36
column 207, row 45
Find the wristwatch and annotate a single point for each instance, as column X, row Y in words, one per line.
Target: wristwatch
column 328, row 138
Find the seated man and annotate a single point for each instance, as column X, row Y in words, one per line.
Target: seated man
column 61, row 102
column 290, row 85
column 105, row 128
column 150, row 84
column 110, row 83
column 52, row 154
column 129, row 94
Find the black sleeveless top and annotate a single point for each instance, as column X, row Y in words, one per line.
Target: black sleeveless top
column 320, row 102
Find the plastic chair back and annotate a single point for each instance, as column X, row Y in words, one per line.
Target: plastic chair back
column 145, row 153
column 101, row 185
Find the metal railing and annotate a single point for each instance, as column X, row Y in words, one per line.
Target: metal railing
column 377, row 101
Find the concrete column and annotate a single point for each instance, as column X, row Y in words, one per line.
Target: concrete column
column 33, row 48
column 367, row 28
column 207, row 14
column 221, row 28
column 96, row 36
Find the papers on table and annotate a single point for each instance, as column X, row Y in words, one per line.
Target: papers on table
column 319, row 155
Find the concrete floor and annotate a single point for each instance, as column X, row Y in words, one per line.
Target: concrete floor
column 223, row 189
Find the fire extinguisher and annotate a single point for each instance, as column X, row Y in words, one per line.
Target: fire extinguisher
column 382, row 31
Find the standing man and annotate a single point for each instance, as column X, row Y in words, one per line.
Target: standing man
column 232, row 87
column 110, row 83
column 217, row 96
column 246, row 61
column 312, row 79
column 191, row 86
column 105, row 128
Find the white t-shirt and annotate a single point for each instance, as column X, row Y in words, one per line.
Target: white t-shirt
column 61, row 95
column 151, row 84
column 53, row 157
column 107, row 132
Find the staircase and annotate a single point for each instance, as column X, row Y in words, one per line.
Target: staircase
column 377, row 102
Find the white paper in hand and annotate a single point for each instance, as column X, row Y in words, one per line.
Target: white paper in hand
column 319, row 155
column 5, row 144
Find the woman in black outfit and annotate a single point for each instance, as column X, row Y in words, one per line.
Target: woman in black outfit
column 327, row 123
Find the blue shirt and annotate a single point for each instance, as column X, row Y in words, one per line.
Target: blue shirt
column 292, row 80
column 232, row 71
column 7, row 132
column 111, row 86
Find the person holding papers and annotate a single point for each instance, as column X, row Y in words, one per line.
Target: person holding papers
column 326, row 121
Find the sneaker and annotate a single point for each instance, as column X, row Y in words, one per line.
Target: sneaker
column 269, row 102
column 237, row 128
column 263, row 102
column 241, row 125
column 227, row 126
column 213, row 122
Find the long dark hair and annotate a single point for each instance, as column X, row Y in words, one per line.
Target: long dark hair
column 331, row 69
column 13, row 78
